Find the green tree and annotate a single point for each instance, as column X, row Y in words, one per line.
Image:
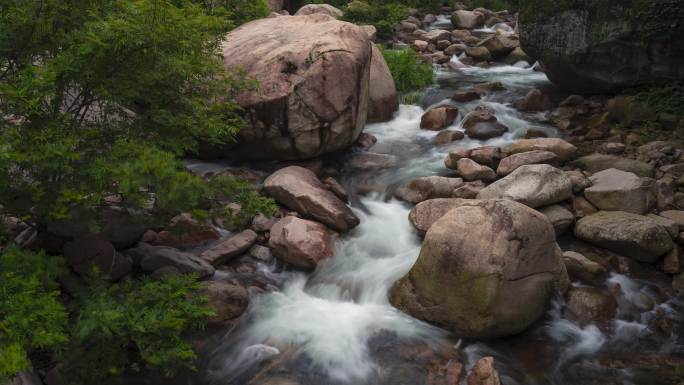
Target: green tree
column 101, row 98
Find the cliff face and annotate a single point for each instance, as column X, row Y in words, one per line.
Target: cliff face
column 605, row 45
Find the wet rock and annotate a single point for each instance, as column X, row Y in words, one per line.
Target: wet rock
column 234, row 246
column 150, row 258
column 438, row 118
column 560, row 217
column 365, row 161
column 94, row 250
column 466, row 96
column 629, row 234
column 516, row 56
column 482, row 124
column 535, row 100
column 489, row 87
column 489, row 156
column 563, row 149
column 484, row 373
column 616, row 190
column 460, row 35
column 512, row 162
column 486, row 269
column 478, row 53
column 588, row 305
column 261, row 223
column 599, row 162
column 330, row 74
column 448, row 136
column 582, row 268
column 429, row 187
column 228, row 300
column 471, row 170
column 428, row 212
column 262, row 253
column 301, row 242
column 467, row 19
column 453, row 157
column 299, row 189
column 337, row 189
column 499, row 46
column 366, row 140
column 532, row 185
column 383, row 99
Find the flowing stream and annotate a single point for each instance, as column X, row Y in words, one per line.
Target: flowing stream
column 336, row 326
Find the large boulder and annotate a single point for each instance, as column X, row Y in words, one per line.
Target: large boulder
column 486, row 269
column 300, row 242
column 616, row 190
column 299, row 189
column 384, row 99
column 228, row 300
column 598, row 46
column 94, row 250
column 632, row 235
column 152, row 258
column 325, row 9
column 534, row 185
column 313, row 85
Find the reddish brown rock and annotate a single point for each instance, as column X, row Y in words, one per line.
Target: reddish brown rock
column 466, row 96
column 384, row 99
column 438, row 118
column 448, row 136
column 228, row 300
column 232, row 247
column 471, row 170
column 510, row 163
column 301, row 242
column 484, row 373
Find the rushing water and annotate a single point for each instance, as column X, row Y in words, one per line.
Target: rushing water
column 336, row 326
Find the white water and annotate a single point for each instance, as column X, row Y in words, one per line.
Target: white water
column 330, row 316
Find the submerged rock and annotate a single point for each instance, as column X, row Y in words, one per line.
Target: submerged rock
column 486, row 269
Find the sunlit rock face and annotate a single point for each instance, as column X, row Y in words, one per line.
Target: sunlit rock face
column 605, row 45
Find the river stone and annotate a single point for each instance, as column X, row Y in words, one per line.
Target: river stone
column 469, row 190
column 454, row 155
column 563, row 149
column 428, row 212
column 535, row 100
column 486, row 269
column 228, row 300
column 301, row 242
column 436, row 35
column 478, row 53
column 512, row 162
column 599, row 162
column 615, row 190
column 482, row 124
column 471, row 170
column 588, row 305
column 671, row 226
column 325, row 9
column 314, row 75
column 428, row 187
column 438, row 118
column 489, row 156
column 602, row 46
column 675, row 215
column 629, row 234
column 300, row 190
column 448, row 136
column 499, row 46
column 535, row 185
column 95, row 250
column 484, row 373
column 582, row 268
column 232, row 247
column 384, row 99
column 150, row 258
column 467, row 19
column 560, row 217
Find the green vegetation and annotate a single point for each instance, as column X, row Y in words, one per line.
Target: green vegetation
column 409, row 72
column 31, row 316
column 102, row 99
column 664, row 99
column 494, row 5
column 113, row 328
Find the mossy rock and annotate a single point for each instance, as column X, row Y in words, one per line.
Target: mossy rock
column 605, row 45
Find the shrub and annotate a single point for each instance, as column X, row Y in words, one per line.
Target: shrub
column 383, row 16
column 665, row 99
column 31, row 315
column 133, row 325
column 494, row 5
column 237, row 11
column 409, row 72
